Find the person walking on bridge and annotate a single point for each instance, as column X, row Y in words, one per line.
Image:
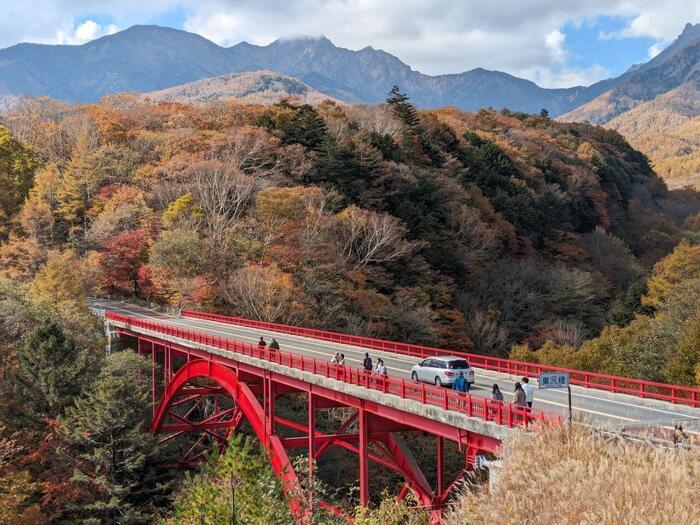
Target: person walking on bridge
column 274, row 345
column 367, row 363
column 529, row 392
column 496, row 393
column 519, row 395
column 262, row 344
column 460, row 384
column 381, row 367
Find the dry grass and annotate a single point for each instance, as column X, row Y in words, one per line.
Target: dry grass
column 578, row 477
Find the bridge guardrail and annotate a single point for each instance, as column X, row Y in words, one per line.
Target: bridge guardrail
column 498, row 412
column 616, row 384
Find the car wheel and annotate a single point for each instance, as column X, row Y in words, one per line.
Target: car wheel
column 437, row 381
column 414, row 376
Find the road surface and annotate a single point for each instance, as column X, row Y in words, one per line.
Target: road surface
column 616, row 411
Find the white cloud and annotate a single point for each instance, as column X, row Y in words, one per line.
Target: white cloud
column 554, row 40
column 88, row 30
column 655, row 49
column 524, row 38
column 444, row 36
column 84, row 32
column 569, row 76
column 220, row 27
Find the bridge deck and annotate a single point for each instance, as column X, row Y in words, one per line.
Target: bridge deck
column 596, row 406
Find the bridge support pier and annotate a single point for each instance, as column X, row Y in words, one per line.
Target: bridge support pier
column 312, row 433
column 364, row 460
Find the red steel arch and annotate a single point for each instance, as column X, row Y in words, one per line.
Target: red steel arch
column 248, row 405
column 192, row 375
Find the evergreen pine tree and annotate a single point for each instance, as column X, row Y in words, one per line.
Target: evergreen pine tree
column 295, row 124
column 402, row 108
column 108, row 447
column 51, row 371
column 240, row 479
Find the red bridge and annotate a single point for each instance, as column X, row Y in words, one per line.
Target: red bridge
column 212, row 376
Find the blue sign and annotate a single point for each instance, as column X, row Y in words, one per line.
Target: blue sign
column 554, row 379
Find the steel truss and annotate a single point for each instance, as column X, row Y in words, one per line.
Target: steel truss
column 207, row 397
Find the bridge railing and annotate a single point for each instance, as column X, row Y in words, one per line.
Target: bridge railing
column 617, row 384
column 498, row 412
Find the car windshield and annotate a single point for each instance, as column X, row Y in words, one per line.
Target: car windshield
column 458, row 363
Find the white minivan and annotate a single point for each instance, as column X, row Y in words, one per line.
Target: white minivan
column 442, row 370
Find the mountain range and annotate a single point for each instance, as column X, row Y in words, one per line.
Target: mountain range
column 151, row 58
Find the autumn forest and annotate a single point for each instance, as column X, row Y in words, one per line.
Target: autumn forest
column 501, row 233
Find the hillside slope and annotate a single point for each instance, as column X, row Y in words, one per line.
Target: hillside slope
column 667, row 129
column 258, row 87
column 656, row 107
column 641, row 87
column 454, row 229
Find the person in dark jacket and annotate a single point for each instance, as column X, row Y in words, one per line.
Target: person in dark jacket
column 262, row 344
column 367, row 363
column 460, row 384
column 274, row 345
column 496, row 393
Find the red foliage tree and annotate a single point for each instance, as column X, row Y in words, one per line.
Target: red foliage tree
column 120, row 258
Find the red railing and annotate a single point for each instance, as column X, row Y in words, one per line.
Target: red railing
column 636, row 387
column 480, row 407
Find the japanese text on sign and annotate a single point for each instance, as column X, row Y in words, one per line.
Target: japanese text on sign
column 554, row 379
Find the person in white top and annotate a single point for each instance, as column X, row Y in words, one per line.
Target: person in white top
column 381, row 368
column 336, row 358
column 529, row 391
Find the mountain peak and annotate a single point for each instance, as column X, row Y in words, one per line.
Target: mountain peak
column 149, row 33
column 690, row 33
column 693, row 29
column 319, row 40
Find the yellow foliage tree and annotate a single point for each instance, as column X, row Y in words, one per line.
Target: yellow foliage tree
column 682, row 264
column 38, row 215
column 684, row 365
column 91, row 272
column 20, row 258
column 278, row 205
column 59, row 280
column 36, row 220
column 17, row 165
column 79, row 184
column 182, row 212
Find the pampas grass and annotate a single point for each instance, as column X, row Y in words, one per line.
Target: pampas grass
column 577, row 476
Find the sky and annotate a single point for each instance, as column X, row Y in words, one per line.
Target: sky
column 556, row 43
